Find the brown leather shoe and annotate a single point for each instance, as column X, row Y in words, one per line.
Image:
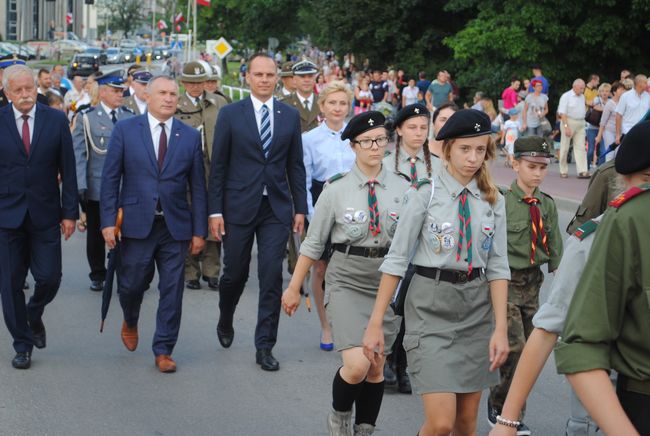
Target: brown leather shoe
column 129, row 336
column 165, row 363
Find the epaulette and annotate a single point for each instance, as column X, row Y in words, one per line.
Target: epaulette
column 387, row 153
column 127, row 109
column 629, row 194
column 85, row 109
column 586, row 229
column 336, row 177
column 422, row 182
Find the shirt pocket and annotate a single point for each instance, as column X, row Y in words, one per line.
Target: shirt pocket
column 390, row 220
column 486, row 237
column 518, row 235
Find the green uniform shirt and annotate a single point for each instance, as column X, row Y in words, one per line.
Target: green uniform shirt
column 308, row 118
column 608, row 324
column 519, row 230
column 599, row 193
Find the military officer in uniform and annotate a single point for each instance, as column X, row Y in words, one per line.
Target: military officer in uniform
column 608, row 323
column 5, row 62
column 200, row 109
column 304, row 99
column 90, row 139
column 288, row 85
column 129, row 79
column 212, row 84
column 137, row 101
column 360, row 210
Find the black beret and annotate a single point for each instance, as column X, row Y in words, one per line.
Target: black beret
column 533, row 148
column 410, row 111
column 362, row 123
column 634, row 152
column 464, row 124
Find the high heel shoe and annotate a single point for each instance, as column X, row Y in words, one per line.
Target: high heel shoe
column 326, row 346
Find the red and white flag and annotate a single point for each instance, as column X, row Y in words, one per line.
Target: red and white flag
column 203, row 2
column 179, row 18
column 68, row 18
column 162, row 25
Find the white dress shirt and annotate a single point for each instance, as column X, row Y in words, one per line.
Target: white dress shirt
column 632, row 107
column 19, row 121
column 257, row 108
column 572, row 105
column 310, row 100
column 108, row 109
column 156, row 130
column 194, row 100
column 142, row 105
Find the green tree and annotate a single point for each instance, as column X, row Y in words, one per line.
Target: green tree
column 123, row 15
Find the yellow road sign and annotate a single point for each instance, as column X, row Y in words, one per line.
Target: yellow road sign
column 220, row 47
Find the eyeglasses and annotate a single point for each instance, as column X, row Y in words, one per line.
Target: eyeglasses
column 365, row 144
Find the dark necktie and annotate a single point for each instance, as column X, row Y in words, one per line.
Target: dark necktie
column 162, row 146
column 465, row 229
column 375, row 228
column 26, row 133
column 306, row 104
column 113, row 116
column 536, row 228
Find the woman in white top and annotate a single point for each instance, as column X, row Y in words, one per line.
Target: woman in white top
column 410, row 94
column 607, row 129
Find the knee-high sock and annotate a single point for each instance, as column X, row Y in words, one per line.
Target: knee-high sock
column 368, row 403
column 343, row 393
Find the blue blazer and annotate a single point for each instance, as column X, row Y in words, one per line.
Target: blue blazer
column 131, row 180
column 28, row 184
column 239, row 171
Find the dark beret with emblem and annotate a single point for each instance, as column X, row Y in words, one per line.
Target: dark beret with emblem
column 194, row 72
column 362, row 123
column 465, row 123
column 634, row 152
column 286, row 70
column 533, row 149
column 12, row 59
column 142, row 76
column 410, row 111
column 304, row 68
column 114, row 79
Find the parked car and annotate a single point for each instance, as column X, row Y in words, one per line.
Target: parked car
column 126, row 56
column 19, row 49
column 113, row 55
column 98, row 53
column 83, row 65
column 128, row 44
column 68, row 47
column 161, row 53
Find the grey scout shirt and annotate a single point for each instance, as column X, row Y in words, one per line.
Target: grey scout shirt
column 342, row 211
column 432, row 230
column 404, row 164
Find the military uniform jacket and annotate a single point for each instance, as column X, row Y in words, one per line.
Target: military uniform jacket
column 519, row 230
column 202, row 117
column 404, row 164
column 131, row 104
column 608, row 324
column 427, row 234
column 308, row 118
column 342, row 211
column 599, row 193
column 90, row 140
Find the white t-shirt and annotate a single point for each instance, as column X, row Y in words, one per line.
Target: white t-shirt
column 511, row 133
column 410, row 95
column 632, row 107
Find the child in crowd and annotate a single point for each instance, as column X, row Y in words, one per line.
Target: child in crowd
column 510, row 129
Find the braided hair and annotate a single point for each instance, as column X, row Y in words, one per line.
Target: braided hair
column 425, row 150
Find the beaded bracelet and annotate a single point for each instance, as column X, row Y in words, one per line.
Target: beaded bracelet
column 508, row 423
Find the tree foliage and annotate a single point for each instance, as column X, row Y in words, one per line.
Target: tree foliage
column 123, row 15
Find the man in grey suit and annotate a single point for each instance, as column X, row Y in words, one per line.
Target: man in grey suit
column 90, row 138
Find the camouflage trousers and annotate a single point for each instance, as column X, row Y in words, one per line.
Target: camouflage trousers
column 523, row 302
column 206, row 264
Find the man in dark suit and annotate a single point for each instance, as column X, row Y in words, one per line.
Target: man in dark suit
column 36, row 149
column 153, row 161
column 257, row 189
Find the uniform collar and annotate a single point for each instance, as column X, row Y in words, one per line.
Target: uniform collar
column 327, row 129
column 107, row 109
column 362, row 180
column 519, row 193
column 454, row 186
column 405, row 157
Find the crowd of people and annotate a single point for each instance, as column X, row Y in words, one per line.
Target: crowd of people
column 425, row 274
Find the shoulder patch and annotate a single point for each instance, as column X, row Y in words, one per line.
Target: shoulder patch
column 336, row 177
column 629, row 194
column 422, row 182
column 128, row 109
column 586, row 229
column 85, row 109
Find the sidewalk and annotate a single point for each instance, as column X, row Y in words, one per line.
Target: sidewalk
column 567, row 193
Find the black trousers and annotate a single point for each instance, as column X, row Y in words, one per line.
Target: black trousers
column 95, row 247
column 636, row 406
column 22, row 249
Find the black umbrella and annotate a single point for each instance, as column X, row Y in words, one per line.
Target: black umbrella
column 113, row 259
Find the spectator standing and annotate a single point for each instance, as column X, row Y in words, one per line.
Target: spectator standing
column 591, row 94
column 607, row 130
column 632, row 107
column 535, row 109
column 378, row 88
column 478, row 96
column 572, row 113
column 439, row 92
column 537, row 74
column 594, row 146
column 423, row 84
column 411, row 94
column 509, row 95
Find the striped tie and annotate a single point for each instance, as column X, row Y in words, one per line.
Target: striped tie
column 265, row 131
column 465, row 230
column 536, row 228
column 375, row 228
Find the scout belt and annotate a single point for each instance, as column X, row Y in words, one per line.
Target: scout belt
column 632, row 385
column 448, row 275
column 372, row 252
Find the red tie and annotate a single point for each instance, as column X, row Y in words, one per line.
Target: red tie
column 26, row 133
column 536, row 228
column 162, row 146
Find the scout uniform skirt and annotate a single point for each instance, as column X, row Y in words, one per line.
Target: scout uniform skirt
column 350, row 293
column 448, row 330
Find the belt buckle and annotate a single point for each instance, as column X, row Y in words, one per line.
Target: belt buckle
column 373, row 252
column 462, row 277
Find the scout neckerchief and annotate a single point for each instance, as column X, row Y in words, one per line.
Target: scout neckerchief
column 536, row 228
column 375, row 229
column 414, row 172
column 465, row 229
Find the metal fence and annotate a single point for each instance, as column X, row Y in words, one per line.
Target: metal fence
column 231, row 91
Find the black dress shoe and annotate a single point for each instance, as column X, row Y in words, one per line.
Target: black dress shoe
column 22, row 360
column 265, row 359
column 225, row 335
column 403, row 382
column 193, row 284
column 390, row 378
column 38, row 333
column 213, row 283
column 96, row 285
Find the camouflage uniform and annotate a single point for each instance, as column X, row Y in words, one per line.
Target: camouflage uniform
column 526, row 277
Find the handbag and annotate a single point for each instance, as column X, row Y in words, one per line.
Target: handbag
column 593, row 116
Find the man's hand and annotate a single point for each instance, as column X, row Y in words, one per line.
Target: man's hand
column 217, row 227
column 196, row 245
column 67, row 228
column 109, row 236
column 568, row 132
column 298, row 223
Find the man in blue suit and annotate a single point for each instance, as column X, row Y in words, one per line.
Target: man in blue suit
column 36, row 148
column 257, row 189
column 153, row 161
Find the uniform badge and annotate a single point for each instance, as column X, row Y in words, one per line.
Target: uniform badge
column 348, row 216
column 487, row 243
column 477, row 127
column 434, row 228
column 371, row 122
column 488, row 230
column 393, row 215
column 446, row 228
column 416, row 110
column 448, row 242
column 435, row 241
column 353, row 231
column 360, row 216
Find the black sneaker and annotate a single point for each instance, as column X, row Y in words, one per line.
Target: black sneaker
column 522, row 430
column 492, row 415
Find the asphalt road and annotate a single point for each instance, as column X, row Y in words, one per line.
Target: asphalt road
column 87, row 383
